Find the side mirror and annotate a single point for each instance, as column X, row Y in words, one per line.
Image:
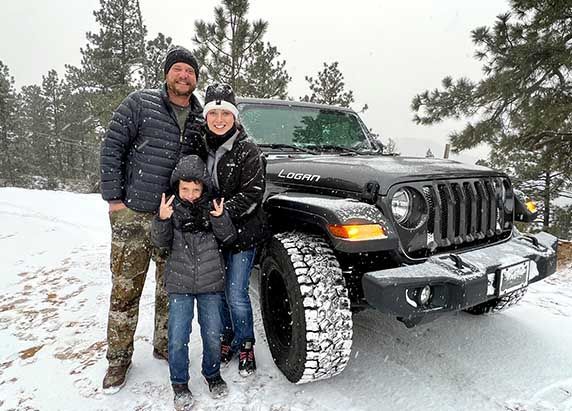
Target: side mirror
column 525, row 209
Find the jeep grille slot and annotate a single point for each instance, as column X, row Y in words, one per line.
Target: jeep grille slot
column 430, row 209
column 462, row 213
column 446, row 203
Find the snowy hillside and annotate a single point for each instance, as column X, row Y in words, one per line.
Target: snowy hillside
column 55, row 290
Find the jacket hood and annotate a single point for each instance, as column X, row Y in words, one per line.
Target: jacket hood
column 190, row 168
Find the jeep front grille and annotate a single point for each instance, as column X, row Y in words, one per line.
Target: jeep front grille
column 460, row 213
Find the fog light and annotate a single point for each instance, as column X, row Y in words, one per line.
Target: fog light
column 531, row 206
column 424, row 295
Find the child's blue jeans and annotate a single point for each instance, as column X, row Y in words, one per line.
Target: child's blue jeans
column 181, row 311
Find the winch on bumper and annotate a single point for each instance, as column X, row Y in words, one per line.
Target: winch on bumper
column 453, row 282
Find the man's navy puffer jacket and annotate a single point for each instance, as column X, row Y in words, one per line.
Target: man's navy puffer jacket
column 142, row 146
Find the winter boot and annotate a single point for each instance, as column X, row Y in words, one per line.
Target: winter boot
column 217, row 387
column 183, row 397
column 160, row 355
column 115, row 378
column 226, row 352
column 246, row 362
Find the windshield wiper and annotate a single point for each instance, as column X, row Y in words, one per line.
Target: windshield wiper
column 286, row 146
column 334, row 147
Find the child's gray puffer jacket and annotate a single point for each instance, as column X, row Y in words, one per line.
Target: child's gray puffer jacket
column 195, row 264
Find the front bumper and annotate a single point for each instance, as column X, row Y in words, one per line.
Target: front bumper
column 458, row 280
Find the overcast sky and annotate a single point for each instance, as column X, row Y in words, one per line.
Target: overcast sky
column 387, row 51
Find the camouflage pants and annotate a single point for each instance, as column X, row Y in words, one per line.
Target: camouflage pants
column 131, row 252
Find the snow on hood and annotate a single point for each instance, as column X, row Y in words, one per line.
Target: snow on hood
column 351, row 173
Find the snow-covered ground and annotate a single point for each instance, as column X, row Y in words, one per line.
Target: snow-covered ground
column 55, row 289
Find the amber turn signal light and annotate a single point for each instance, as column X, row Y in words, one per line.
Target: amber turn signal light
column 358, row 231
column 531, row 206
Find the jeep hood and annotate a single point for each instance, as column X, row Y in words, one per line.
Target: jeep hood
column 352, row 173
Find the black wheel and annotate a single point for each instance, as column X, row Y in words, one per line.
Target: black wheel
column 498, row 304
column 305, row 307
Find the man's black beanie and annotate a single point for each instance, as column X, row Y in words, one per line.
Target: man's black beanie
column 180, row 54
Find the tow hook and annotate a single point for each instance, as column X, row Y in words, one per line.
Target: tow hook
column 457, row 260
column 531, row 238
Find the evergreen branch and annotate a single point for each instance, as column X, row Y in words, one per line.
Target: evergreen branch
column 258, row 36
column 206, row 43
column 551, row 136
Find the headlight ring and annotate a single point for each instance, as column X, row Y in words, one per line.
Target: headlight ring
column 409, row 207
column 401, row 205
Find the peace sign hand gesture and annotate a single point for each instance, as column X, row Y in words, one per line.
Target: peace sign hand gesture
column 166, row 209
column 218, row 208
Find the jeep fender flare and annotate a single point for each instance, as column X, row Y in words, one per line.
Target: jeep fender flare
column 321, row 210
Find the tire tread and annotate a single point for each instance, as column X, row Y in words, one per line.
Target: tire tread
column 326, row 302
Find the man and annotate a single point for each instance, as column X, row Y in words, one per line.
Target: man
column 148, row 133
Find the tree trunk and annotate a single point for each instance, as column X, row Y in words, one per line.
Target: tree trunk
column 546, row 198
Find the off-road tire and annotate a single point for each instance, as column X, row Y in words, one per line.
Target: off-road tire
column 498, row 304
column 305, row 307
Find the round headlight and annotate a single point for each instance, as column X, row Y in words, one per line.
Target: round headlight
column 401, row 205
column 424, row 295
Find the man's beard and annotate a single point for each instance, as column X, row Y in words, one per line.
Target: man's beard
column 172, row 86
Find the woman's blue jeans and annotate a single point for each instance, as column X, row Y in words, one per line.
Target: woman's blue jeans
column 181, row 311
column 236, row 308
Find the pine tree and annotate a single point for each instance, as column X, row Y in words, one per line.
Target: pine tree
column 231, row 50
column 562, row 226
column 156, row 51
column 33, row 117
column 80, row 136
column 525, row 97
column 535, row 173
column 59, row 132
column 329, row 87
column 114, row 58
column 53, row 98
column 9, row 142
column 391, row 147
column 265, row 77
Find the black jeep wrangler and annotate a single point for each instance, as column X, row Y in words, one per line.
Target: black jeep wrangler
column 356, row 228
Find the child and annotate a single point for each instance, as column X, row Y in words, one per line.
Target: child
column 194, row 271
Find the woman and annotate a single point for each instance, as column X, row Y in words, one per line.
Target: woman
column 237, row 169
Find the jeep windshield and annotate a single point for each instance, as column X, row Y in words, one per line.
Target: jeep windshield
column 307, row 128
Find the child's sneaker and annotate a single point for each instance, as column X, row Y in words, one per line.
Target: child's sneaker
column 226, row 352
column 246, row 362
column 217, row 387
column 183, row 397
